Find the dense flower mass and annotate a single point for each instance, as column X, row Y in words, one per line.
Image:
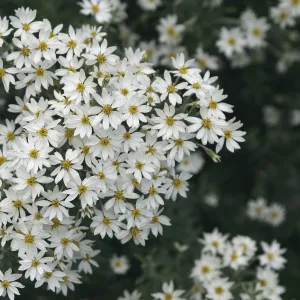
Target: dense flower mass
column 99, row 143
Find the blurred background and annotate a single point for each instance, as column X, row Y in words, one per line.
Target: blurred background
column 268, row 165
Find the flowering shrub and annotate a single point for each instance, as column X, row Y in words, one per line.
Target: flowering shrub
column 95, row 144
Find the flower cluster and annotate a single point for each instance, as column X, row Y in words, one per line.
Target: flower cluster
column 99, row 143
column 229, row 269
column 273, row 214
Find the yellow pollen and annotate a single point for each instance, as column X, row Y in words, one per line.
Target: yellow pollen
column 93, row 34
column 171, row 54
column 202, row 63
column 183, row 70
column 69, row 133
column 179, row 142
column 136, row 212
column 124, row 92
column 65, row 242
column 17, row 204
column 38, row 216
column 104, row 142
column 71, row 69
column 29, row 239
column 85, row 120
column 48, row 275
column 2, row 160
column 101, row 175
column 65, row 278
column 152, row 191
column 101, row 58
column 206, row 123
column 56, row 223
column 263, row 282
column 256, row 32
column 35, row 263
column 10, row 136
column 31, row 181
column 52, row 35
column 122, row 74
column 227, row 134
column 25, row 51
column 171, row 89
column 270, row 256
column 43, row 132
column 215, row 244
column 205, row 269
column 134, row 231
column 196, row 85
column 186, row 162
column 43, row 46
column 168, row 296
column 133, row 109
column 106, row 221
column 275, row 215
column 119, row 195
column 134, row 182
column 33, row 154
column 26, row 27
column 107, row 109
column 72, row 44
column 295, row 2
column 170, row 121
column 283, row 15
column 171, row 31
column 95, row 8
column 40, row 72
column 86, row 150
column 5, row 284
column 80, row 87
column 232, row 41
column 155, row 219
column 151, row 150
column 127, row 136
column 55, row 203
column 87, row 41
column 177, row 182
column 2, row 73
column 139, row 165
column 213, row 104
column 259, row 209
column 149, row 89
column 82, row 189
column 66, row 164
column 234, row 256
column 219, row 290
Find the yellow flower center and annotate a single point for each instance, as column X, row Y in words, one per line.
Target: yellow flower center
column 232, row 41
column 219, row 290
column 43, row 46
column 72, row 44
column 101, row 58
column 71, row 69
column 127, row 136
column 101, row 175
column 66, row 164
column 69, row 133
column 196, row 85
column 40, row 72
column 106, row 221
column 139, row 165
column 171, row 31
column 104, row 142
column 179, row 142
column 177, row 182
column 2, row 73
column 234, row 256
column 295, row 2
column 155, row 219
column 151, row 150
column 283, row 15
column 43, row 132
column 29, row 238
column 270, row 256
column 133, row 109
column 17, row 204
column 48, row 275
column 35, row 263
column 34, row 153
column 136, row 212
column 107, row 109
column 227, row 134
column 38, row 216
column 80, row 87
column 170, row 121
column 85, row 120
column 205, row 269
column 25, row 51
column 65, row 242
column 215, row 244
column 31, row 181
column 5, row 284
column 10, row 136
column 202, row 63
column 95, row 8
column 149, row 89
column 213, row 104
column 171, row 89
column 263, row 282
column 134, row 231
column 183, row 70
column 2, row 160
column 275, row 215
column 168, row 296
column 119, row 195
column 26, row 27
column 152, row 191
column 56, row 223
column 124, row 92
column 256, row 31
column 206, row 123
column 86, row 150
column 55, row 203
column 82, row 189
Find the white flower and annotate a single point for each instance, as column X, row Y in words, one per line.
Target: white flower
column 4, row 29
column 234, row 257
column 246, row 244
column 257, row 209
column 149, row 5
column 272, row 256
column 8, row 133
column 168, row 89
column 211, row 200
column 5, row 76
column 87, row 261
column 293, row 5
column 275, row 214
column 101, row 10
column 282, row 15
column 119, row 264
column 168, row 292
column 183, row 67
column 214, row 242
column 135, row 295
column 157, row 221
column 52, row 279
column 231, row 41
column 8, row 284
column 206, row 61
column 35, row 265
column 191, row 164
column 219, row 289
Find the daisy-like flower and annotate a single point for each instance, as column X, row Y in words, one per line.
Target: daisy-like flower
column 125, row 87
column 149, row 5
column 167, row 123
column 101, row 54
column 293, row 5
column 219, row 289
column 169, row 31
column 283, row 16
column 157, row 221
column 8, row 284
column 131, row 139
column 100, row 9
column 275, row 214
column 168, row 89
column 135, row 295
column 183, row 67
column 105, row 223
column 54, row 205
column 68, row 66
column 24, row 22
column 84, row 189
column 231, row 41
column 257, row 209
column 207, row 268
column 191, row 164
column 234, row 257
column 168, row 292
column 272, row 256
column 206, row 61
column 119, row 264
column 78, row 87
column 246, row 244
column 208, row 128
column 5, row 76
column 109, row 114
column 214, row 242
column 139, row 234
column 134, row 109
column 71, row 43
column 4, row 29
column 9, row 133
column 35, row 265
column 87, row 261
column 231, row 135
